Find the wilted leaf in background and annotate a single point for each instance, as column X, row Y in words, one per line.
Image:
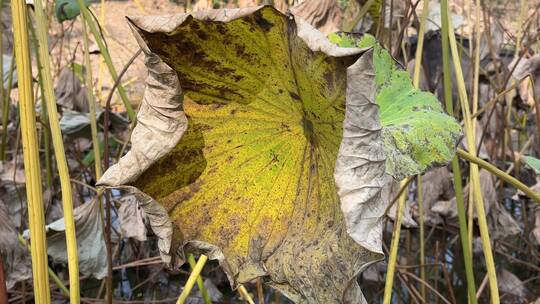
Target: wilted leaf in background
column 280, row 128
column 511, row 285
column 77, row 124
column 131, row 217
column 90, row 241
column 15, row 257
column 325, row 15
column 436, row 186
column 500, row 221
column 533, row 163
column 407, row 220
column 70, row 93
column 527, row 66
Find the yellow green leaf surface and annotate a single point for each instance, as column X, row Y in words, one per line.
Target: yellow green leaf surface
column 253, row 174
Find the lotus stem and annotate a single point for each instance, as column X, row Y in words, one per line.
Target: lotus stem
column 392, row 259
column 51, row 273
column 458, row 187
column 91, row 103
column 97, row 151
column 416, row 83
column 192, row 279
column 200, row 283
column 245, row 294
column 474, row 172
column 500, row 174
column 59, row 151
column 31, row 152
column 88, row 20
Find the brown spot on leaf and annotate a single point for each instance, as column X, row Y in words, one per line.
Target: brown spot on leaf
column 264, row 24
column 294, row 96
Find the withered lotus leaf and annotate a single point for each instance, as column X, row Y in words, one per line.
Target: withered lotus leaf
column 259, row 143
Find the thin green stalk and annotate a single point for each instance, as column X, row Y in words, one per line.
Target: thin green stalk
column 500, row 174
column 416, row 83
column 32, row 172
column 392, row 259
column 463, row 231
column 476, row 83
column 192, row 278
column 51, row 273
column 59, row 151
column 474, row 172
column 200, row 283
column 88, row 20
column 91, row 103
column 97, row 152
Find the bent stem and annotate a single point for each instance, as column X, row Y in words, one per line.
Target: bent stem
column 59, row 152
column 31, row 152
column 500, row 174
column 462, row 219
column 192, row 279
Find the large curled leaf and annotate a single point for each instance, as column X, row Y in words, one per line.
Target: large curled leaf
column 416, row 131
column 278, row 130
